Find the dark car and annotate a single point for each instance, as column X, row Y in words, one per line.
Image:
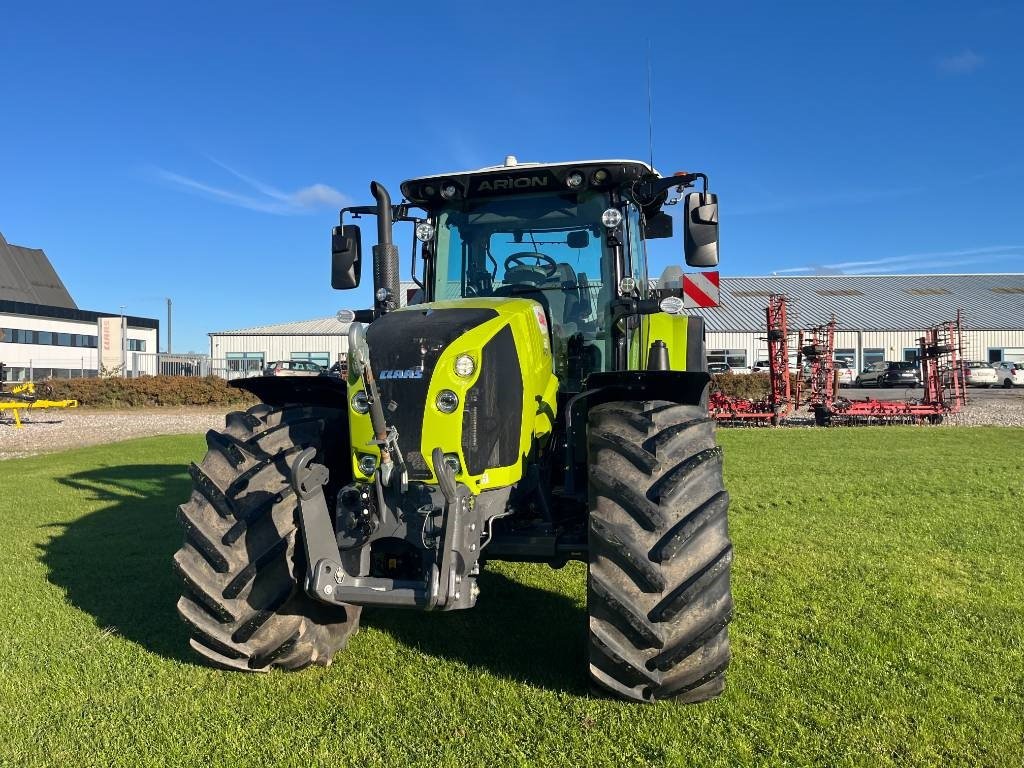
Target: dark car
column 890, row 373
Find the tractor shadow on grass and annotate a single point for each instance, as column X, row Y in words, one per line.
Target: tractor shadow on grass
column 115, row 563
column 515, row 631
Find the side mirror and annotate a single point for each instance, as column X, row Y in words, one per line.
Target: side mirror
column 657, row 226
column 346, row 247
column 700, row 240
column 578, row 239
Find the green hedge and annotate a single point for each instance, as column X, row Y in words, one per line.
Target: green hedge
column 147, row 391
column 155, row 391
column 752, row 385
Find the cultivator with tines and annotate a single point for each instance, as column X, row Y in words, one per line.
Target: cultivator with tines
column 778, row 404
column 941, row 376
column 816, row 348
column 22, row 397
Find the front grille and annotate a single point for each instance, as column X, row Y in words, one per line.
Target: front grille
column 410, row 342
column 493, row 415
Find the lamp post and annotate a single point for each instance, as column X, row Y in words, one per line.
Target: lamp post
column 124, row 344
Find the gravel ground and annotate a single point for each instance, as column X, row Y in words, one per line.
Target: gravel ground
column 57, row 430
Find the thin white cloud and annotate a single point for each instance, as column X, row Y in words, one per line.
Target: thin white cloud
column 912, row 261
column 263, row 197
column 903, row 268
column 963, row 63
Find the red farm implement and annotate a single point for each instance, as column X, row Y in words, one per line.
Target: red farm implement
column 944, row 393
column 778, row 404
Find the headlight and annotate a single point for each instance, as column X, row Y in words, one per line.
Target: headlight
column 360, row 402
column 465, row 366
column 611, row 218
column 574, row 180
column 424, row 231
column 448, row 191
column 447, row 401
column 367, row 464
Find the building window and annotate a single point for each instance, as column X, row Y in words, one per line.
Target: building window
column 848, row 356
column 50, row 338
column 136, row 345
column 735, row 358
column 873, row 355
column 245, row 362
column 320, row 358
column 910, row 354
column 995, row 355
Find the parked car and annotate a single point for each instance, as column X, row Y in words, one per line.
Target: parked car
column 339, row 370
column 841, row 367
column 719, row 368
column 976, row 374
column 1009, row 374
column 979, row 374
column 293, row 368
column 889, row 373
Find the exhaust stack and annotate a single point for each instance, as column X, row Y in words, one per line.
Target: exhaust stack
column 385, row 254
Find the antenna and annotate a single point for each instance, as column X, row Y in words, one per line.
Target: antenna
column 650, row 105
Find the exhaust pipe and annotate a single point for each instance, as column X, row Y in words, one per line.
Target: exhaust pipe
column 385, row 253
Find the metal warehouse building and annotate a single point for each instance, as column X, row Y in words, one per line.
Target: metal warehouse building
column 44, row 333
column 246, row 351
column 878, row 317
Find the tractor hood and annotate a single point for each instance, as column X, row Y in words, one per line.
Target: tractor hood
column 480, row 411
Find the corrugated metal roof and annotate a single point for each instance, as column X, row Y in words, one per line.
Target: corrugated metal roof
column 26, row 275
column 322, row 326
column 872, row 302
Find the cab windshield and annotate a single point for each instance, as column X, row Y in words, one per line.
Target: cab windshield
column 548, row 247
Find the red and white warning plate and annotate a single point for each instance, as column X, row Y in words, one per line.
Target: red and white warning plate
column 700, row 289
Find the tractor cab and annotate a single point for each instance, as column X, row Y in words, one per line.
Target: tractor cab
column 569, row 236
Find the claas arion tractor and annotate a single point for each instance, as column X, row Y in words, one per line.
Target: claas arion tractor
column 540, row 400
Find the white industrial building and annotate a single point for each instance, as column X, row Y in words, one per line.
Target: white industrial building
column 878, row 317
column 244, row 352
column 43, row 333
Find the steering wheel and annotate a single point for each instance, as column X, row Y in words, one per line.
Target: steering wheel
column 549, row 265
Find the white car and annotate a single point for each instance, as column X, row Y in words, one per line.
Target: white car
column 980, row 374
column 1009, row 374
column 843, row 370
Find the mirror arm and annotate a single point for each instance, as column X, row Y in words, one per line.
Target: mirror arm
column 626, row 307
column 649, row 190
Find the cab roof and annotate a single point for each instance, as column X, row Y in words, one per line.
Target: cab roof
column 515, row 177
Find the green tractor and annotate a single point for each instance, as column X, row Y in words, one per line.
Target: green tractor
column 540, row 400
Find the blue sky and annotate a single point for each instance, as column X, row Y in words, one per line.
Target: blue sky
column 201, row 150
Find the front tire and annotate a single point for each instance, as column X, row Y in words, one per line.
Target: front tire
column 658, row 593
column 242, row 564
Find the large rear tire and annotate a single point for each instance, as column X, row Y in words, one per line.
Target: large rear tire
column 658, row 591
column 242, row 563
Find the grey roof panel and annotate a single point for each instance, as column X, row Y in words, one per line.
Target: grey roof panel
column 885, row 302
column 26, row 275
column 323, row 326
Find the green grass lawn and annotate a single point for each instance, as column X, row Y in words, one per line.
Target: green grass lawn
column 879, row 585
